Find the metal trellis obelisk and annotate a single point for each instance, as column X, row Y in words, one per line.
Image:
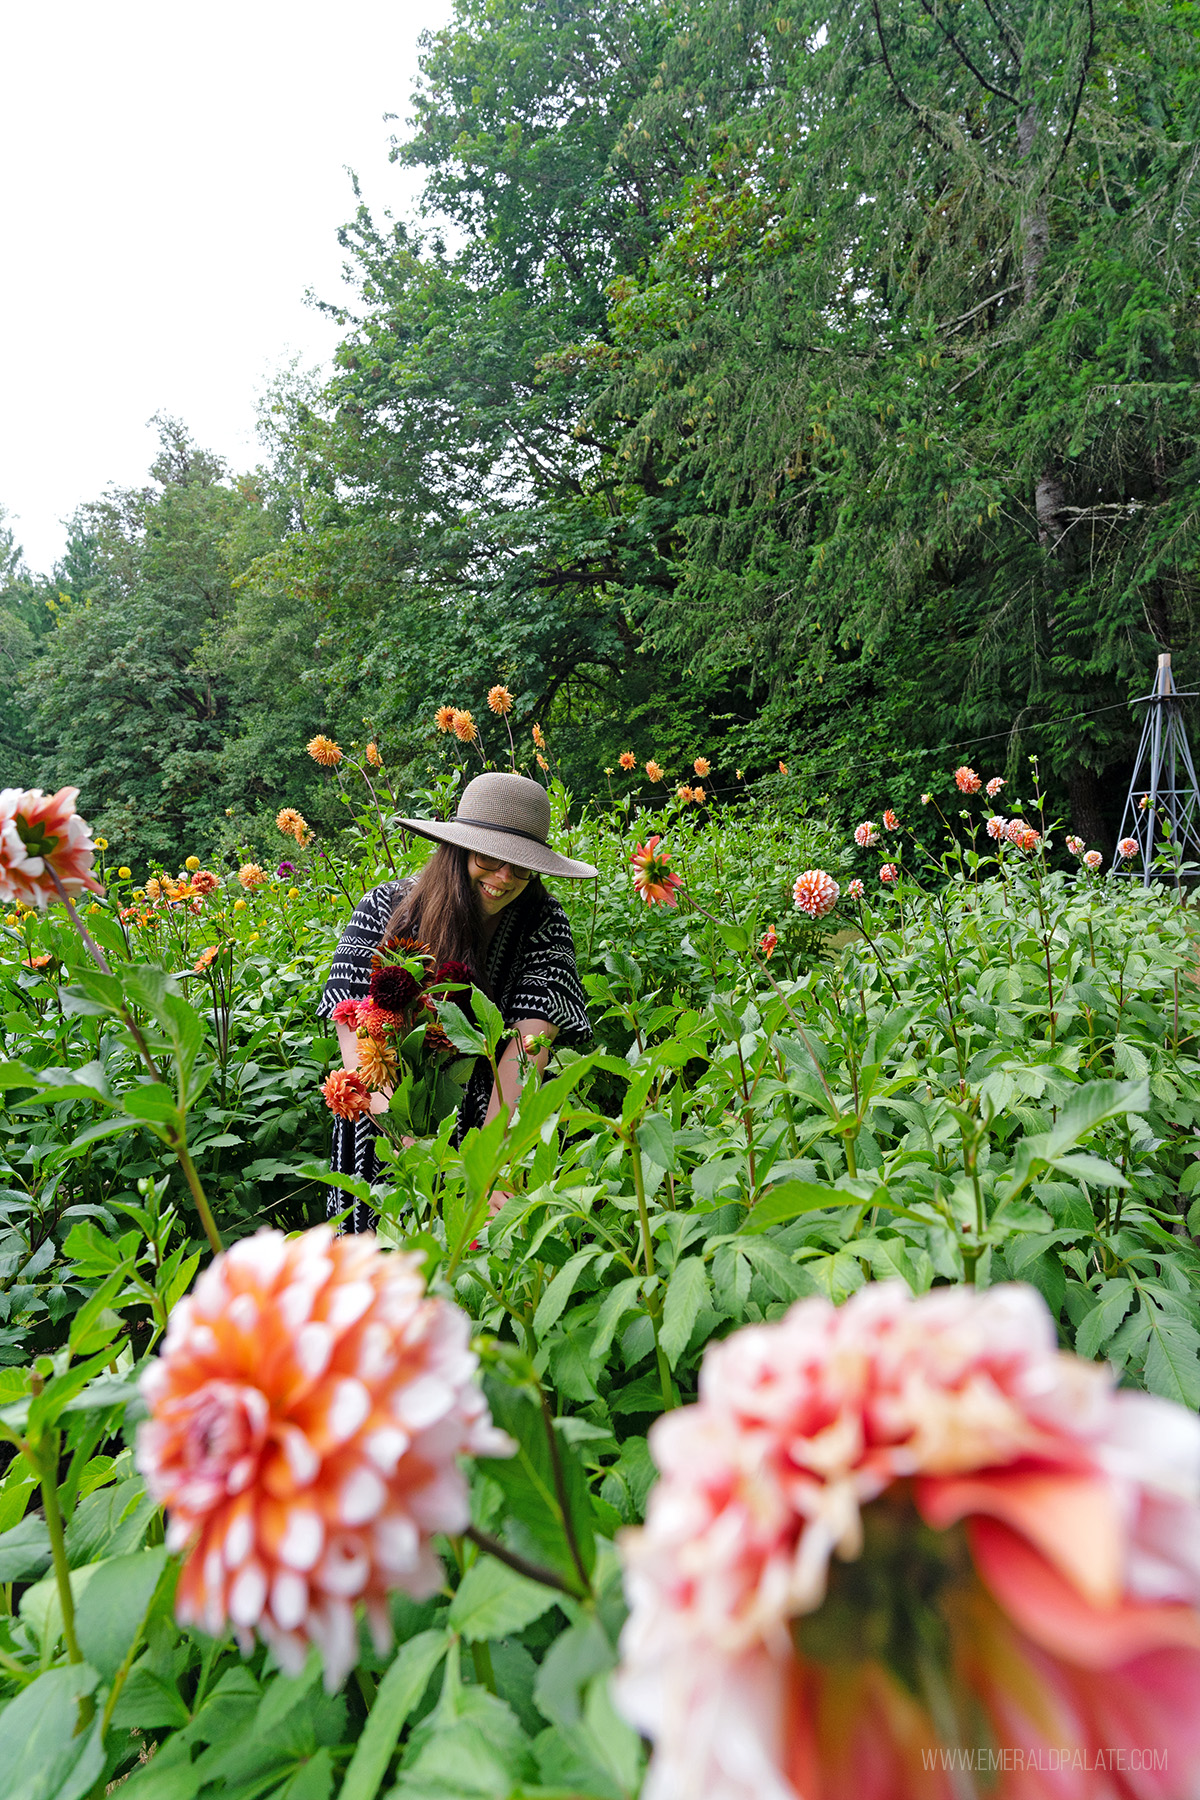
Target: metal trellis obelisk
column 1164, row 787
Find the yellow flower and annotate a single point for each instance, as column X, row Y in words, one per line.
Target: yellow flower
column 253, row 938
column 323, row 750
column 101, row 844
column 739, row 775
column 293, row 893
column 125, row 874
column 93, row 908
column 11, row 919
column 138, row 894
column 239, row 906
column 193, row 862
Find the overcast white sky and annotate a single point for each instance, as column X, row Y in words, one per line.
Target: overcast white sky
column 171, row 182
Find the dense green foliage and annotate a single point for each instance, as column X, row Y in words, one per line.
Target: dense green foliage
column 828, row 374
column 990, row 1070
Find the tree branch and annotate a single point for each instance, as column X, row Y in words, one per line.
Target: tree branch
column 983, row 81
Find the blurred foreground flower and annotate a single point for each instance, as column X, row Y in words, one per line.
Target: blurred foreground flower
column 652, row 874
column 324, row 751
column 895, row 1530
column 815, row 893
column 306, row 1417
column 40, row 832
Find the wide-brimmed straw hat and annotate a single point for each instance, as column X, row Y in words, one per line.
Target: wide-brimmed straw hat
column 506, row 816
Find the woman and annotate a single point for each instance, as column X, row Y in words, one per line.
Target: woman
column 479, row 900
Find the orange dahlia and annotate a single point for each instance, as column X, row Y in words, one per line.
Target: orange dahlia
column 251, row 877
column 499, row 700
column 702, row 766
column 653, row 877
column 890, row 821
column 768, row 941
column 966, row 780
column 463, row 725
column 324, row 751
column 684, row 794
column 373, row 756
column 699, row 796
column 653, row 770
column 293, row 824
column 39, row 833
column 375, row 1020
column 538, row 738
column 815, row 893
column 443, row 718
column 205, row 958
column 346, row 1094
column 377, row 1063
column 204, row 882
column 893, row 1530
column 306, row 1418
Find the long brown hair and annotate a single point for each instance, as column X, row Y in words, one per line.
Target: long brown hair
column 442, row 909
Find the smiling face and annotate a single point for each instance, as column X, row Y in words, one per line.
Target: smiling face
column 496, row 886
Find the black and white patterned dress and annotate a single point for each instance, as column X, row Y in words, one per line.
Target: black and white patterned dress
column 530, row 970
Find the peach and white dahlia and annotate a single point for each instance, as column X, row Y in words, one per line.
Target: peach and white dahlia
column 307, row 1414
column 39, row 833
column 865, row 835
column 252, row 876
column 855, row 889
column 1128, row 848
column 996, row 827
column 323, row 750
column 1093, row 860
column 966, row 780
column 653, row 876
column 653, row 770
column 890, row 1532
column 890, row 821
column 1015, row 830
column 815, row 893
column 889, row 873
column 702, row 766
column 994, row 786
column 499, row 700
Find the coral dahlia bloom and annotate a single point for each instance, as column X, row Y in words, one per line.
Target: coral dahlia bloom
column 346, row 1094
column 346, row 1013
column 1128, row 848
column 1075, row 846
column 1015, row 830
column 500, row 700
column 205, row 958
column 1030, row 839
column 652, row 874
column 653, row 770
column 293, row 824
column 996, row 827
column 815, row 893
column 890, row 821
column 994, row 786
column 966, row 780
column 40, row 832
column 889, row 873
column 702, row 766
column 443, row 718
column 463, row 726
column 1093, row 860
column 865, row 835
column 251, row 877
column 306, row 1416
column 324, row 751
column 684, row 794
column 204, row 882
column 855, row 889
column 768, row 941
column 894, row 1530
column 538, row 738
column 627, row 759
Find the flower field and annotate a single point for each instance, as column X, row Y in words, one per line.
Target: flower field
column 755, row 1245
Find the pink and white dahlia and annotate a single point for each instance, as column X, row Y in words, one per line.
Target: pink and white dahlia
column 892, row 1530
column 865, row 835
column 39, row 833
column 966, row 780
column 1093, row 860
column 995, row 786
column 1075, row 846
column 855, row 889
column 890, row 821
column 815, row 893
column 996, row 827
column 306, row 1417
column 889, row 873
column 1128, row 848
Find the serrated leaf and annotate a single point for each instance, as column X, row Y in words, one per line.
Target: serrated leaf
column 687, row 1290
column 554, row 1300
column 1099, row 1324
column 493, row 1600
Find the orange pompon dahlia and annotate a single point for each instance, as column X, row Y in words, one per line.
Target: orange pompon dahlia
column 205, row 958
column 896, row 1529
column 653, row 770
column 699, row 796
column 377, row 1062
column 627, row 760
column 251, row 877
column 346, row 1094
column 463, row 726
column 324, row 751
column 204, row 882
column 373, row 757
column 499, row 700
column 685, row 794
column 443, row 718
column 538, row 737
column 966, row 780
column 39, row 833
column 702, row 766
column 306, row 1418
column 653, row 877
column 293, row 824
column 375, row 1020
column 815, row 893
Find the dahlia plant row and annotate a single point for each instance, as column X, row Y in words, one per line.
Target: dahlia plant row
column 796, row 1397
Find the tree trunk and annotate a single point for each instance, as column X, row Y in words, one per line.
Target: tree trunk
column 1087, row 815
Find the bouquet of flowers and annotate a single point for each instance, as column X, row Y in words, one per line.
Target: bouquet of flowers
column 403, row 1046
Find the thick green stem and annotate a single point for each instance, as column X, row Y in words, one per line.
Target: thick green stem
column 201, row 1199
column 47, row 1464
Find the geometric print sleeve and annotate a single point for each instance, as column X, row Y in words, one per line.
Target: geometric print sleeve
column 350, row 976
column 545, row 982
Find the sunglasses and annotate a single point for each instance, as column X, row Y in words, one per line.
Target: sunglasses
column 489, row 864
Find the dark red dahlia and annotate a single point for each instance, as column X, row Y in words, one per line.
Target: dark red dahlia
column 393, row 988
column 458, row 981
